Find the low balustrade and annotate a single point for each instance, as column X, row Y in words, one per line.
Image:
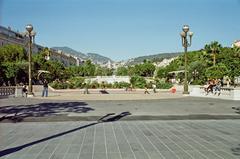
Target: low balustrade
column 223, row 90
column 8, row 90
column 225, row 93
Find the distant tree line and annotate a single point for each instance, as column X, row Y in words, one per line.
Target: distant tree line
column 213, row 61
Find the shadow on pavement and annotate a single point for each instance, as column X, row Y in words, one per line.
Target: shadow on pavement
column 236, row 150
column 110, row 118
column 17, row 113
column 237, row 109
column 18, row 148
column 104, row 92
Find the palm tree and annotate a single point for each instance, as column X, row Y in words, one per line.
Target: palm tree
column 236, row 51
column 213, row 48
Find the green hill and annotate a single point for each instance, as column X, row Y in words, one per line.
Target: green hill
column 154, row 58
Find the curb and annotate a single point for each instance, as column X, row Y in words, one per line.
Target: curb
column 62, row 118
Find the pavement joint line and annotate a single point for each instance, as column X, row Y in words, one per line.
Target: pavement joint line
column 137, row 140
column 211, row 144
column 149, row 140
column 125, row 136
column 105, row 141
column 94, row 138
column 115, row 137
column 161, row 141
column 186, row 142
column 176, row 143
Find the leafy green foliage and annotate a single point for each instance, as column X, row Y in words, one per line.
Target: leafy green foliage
column 217, row 71
column 13, row 60
column 138, row 81
column 103, row 71
column 122, row 71
column 88, row 68
column 163, row 85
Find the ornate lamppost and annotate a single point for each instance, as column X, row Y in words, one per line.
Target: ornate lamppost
column 31, row 34
column 185, row 34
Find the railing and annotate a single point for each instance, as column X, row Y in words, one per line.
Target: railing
column 6, row 91
column 224, row 90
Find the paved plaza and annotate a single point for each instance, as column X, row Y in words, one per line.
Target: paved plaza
column 185, row 139
column 53, row 109
column 61, row 127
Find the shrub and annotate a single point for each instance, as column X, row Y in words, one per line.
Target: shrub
column 138, row 81
column 59, row 85
column 123, row 85
column 94, row 84
column 164, row 85
column 76, row 82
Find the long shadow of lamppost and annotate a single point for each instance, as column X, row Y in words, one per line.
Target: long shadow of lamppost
column 107, row 118
column 184, row 34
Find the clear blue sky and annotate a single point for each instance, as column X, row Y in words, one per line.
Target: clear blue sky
column 121, row 29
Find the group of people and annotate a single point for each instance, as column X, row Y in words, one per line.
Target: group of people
column 44, row 91
column 213, row 86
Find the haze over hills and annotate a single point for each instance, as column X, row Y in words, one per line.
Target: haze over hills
column 96, row 58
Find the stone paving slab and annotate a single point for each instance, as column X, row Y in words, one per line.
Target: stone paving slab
column 210, row 139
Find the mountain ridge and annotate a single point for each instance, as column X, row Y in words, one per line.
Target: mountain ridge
column 97, row 58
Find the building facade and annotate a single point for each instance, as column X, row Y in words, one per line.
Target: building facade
column 8, row 36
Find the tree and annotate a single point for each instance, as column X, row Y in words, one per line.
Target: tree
column 12, row 63
column 103, row 71
column 162, row 72
column 122, row 71
column 138, row 81
column 88, row 68
column 236, row 51
column 217, row 71
column 12, row 53
column 213, row 48
column 146, row 69
column 12, row 70
column 55, row 68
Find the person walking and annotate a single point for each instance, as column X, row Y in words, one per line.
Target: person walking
column 146, row 90
column 24, row 91
column 154, row 88
column 85, row 88
column 45, row 88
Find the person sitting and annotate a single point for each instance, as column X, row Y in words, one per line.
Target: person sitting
column 210, row 86
column 217, row 88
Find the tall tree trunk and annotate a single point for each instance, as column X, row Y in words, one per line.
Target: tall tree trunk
column 214, row 58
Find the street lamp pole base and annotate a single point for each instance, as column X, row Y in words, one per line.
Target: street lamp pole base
column 185, row 92
column 30, row 95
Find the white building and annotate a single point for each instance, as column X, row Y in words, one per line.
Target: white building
column 236, row 43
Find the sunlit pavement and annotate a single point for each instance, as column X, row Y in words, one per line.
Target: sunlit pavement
column 121, row 140
column 149, row 136
column 45, row 109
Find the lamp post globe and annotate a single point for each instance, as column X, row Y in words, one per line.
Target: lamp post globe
column 185, row 28
column 29, row 28
column 190, row 34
